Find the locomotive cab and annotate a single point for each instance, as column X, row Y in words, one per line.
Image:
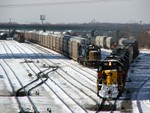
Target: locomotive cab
column 90, row 55
column 110, row 78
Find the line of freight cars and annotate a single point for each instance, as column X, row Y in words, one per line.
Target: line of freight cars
column 78, row 48
column 106, row 42
column 16, row 35
column 109, row 42
column 112, row 71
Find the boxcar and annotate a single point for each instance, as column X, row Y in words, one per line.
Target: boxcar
column 65, row 48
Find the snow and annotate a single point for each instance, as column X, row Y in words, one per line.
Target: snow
column 140, row 91
column 72, row 82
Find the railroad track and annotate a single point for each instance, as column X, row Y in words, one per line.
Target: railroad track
column 43, row 81
column 65, row 71
column 145, row 66
column 138, row 95
column 138, row 87
column 65, row 94
column 20, row 83
column 91, row 72
column 13, row 90
column 69, row 81
column 90, row 77
column 111, row 106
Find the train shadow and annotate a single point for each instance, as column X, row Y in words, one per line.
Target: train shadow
column 31, row 56
column 134, row 93
column 131, row 98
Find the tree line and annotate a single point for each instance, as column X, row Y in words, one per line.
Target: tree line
column 144, row 40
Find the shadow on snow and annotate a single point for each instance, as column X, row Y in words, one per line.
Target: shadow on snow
column 30, row 56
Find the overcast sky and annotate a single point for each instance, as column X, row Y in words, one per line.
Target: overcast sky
column 116, row 11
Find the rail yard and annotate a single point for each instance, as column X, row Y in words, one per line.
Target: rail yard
column 41, row 80
column 74, row 56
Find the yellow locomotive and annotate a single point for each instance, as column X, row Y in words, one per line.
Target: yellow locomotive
column 110, row 79
column 112, row 72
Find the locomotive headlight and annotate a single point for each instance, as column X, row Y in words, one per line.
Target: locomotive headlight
column 109, row 64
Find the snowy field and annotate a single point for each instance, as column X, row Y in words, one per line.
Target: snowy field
column 64, row 86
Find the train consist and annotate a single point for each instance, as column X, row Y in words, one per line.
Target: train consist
column 78, row 48
column 112, row 71
column 16, row 35
column 109, row 42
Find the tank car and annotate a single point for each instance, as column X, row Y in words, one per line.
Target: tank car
column 112, row 72
column 101, row 41
column 106, row 42
column 121, row 41
column 111, row 43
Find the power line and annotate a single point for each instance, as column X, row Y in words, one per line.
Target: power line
column 54, row 3
column 48, row 4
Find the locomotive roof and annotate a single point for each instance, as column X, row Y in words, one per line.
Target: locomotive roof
column 112, row 60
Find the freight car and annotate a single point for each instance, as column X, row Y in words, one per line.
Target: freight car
column 101, row 41
column 112, row 72
column 3, row 35
column 75, row 47
column 19, row 36
column 106, row 42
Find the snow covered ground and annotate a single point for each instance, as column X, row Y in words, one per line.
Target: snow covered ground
column 71, row 88
column 139, row 87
